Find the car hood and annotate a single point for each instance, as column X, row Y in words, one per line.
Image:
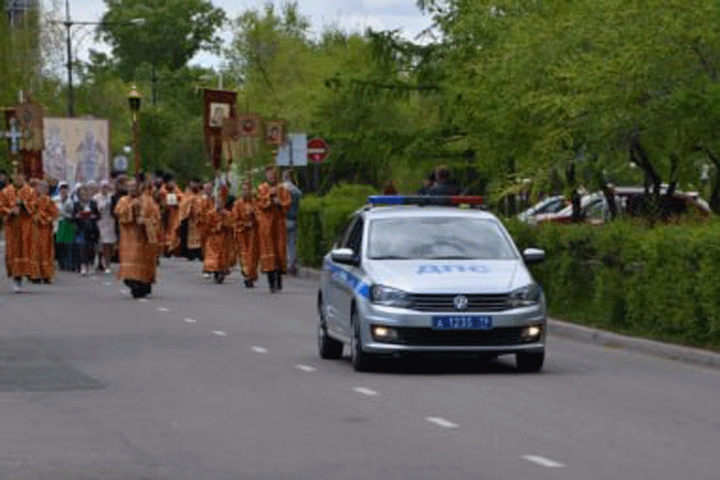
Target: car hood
column 450, row 276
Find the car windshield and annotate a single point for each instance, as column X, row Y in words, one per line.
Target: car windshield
column 438, row 238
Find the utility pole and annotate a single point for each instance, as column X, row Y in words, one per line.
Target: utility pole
column 71, row 93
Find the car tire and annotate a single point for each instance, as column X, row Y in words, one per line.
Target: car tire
column 530, row 362
column 361, row 360
column 328, row 347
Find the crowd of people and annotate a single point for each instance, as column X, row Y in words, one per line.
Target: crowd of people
column 137, row 221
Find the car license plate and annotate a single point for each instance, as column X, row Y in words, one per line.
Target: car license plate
column 462, row 322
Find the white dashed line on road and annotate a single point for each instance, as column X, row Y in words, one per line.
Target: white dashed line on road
column 190, row 320
column 219, row 333
column 143, row 300
column 162, row 309
column 441, row 422
column 306, row 368
column 365, row 391
column 545, row 462
column 259, row 349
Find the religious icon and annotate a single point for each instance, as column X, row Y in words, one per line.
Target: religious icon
column 218, row 113
column 92, row 159
column 275, row 133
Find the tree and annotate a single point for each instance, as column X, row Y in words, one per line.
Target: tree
column 543, row 82
column 161, row 33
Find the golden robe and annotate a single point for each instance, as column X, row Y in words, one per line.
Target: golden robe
column 45, row 217
column 139, row 220
column 21, row 234
column 219, row 243
column 171, row 220
column 246, row 231
column 271, row 226
column 192, row 209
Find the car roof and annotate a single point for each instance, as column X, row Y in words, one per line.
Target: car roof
column 375, row 212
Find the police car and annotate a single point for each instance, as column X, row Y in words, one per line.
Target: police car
column 420, row 275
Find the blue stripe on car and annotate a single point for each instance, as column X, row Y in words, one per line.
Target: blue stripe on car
column 352, row 281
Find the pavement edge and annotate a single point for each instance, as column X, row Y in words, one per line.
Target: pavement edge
column 605, row 338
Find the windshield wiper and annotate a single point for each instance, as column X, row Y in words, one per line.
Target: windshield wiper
column 451, row 257
column 389, row 257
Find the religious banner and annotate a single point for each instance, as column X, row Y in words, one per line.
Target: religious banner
column 231, row 141
column 77, row 149
column 250, row 130
column 275, row 133
column 219, row 106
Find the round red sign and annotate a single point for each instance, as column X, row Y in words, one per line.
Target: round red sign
column 317, row 150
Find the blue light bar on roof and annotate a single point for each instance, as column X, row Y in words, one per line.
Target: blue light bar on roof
column 425, row 200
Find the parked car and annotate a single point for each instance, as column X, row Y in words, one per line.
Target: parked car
column 549, row 205
column 594, row 207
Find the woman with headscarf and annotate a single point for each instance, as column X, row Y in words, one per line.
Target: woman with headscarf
column 85, row 216
column 106, row 225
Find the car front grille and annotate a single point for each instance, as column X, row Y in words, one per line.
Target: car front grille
column 497, row 337
column 445, row 303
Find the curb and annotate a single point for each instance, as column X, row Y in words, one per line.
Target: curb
column 604, row 338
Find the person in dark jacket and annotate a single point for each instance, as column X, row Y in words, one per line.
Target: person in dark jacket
column 444, row 185
column 429, row 182
column 85, row 215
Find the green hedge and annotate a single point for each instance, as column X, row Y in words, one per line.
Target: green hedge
column 322, row 218
column 661, row 282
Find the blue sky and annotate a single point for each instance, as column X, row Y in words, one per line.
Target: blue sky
column 353, row 15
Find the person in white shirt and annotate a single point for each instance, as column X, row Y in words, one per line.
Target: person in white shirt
column 106, row 225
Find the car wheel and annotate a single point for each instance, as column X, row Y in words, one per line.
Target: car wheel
column 329, row 348
column 361, row 361
column 530, row 362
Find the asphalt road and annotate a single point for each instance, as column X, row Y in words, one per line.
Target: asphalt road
column 205, row 381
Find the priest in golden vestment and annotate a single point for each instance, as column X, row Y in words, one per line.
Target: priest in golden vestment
column 18, row 206
column 139, row 219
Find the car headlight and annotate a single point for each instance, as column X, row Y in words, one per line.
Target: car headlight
column 526, row 296
column 389, row 297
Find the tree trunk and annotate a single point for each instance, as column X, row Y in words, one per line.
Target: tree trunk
column 714, row 199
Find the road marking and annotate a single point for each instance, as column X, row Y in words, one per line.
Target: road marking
column 365, row 391
column 108, row 284
column 259, row 349
column 306, row 368
column 190, row 320
column 441, row 422
column 220, row 333
column 143, row 300
column 545, row 462
column 162, row 309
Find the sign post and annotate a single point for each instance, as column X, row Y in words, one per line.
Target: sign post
column 317, row 150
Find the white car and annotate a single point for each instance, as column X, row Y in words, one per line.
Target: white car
column 423, row 276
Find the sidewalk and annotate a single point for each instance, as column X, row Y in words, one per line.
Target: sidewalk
column 609, row 339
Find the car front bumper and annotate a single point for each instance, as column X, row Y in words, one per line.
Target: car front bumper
column 412, row 332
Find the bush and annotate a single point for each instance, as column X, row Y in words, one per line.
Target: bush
column 322, row 218
column 660, row 282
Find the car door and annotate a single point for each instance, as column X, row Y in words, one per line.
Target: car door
column 335, row 283
column 352, row 275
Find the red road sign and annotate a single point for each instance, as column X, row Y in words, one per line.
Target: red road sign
column 317, row 150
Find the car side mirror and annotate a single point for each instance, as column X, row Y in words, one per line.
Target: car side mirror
column 533, row 255
column 344, row 255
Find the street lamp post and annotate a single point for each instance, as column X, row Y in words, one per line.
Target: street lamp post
column 68, row 23
column 134, row 101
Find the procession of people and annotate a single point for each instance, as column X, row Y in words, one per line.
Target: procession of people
column 138, row 221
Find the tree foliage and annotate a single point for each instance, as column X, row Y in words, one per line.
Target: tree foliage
column 162, row 33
